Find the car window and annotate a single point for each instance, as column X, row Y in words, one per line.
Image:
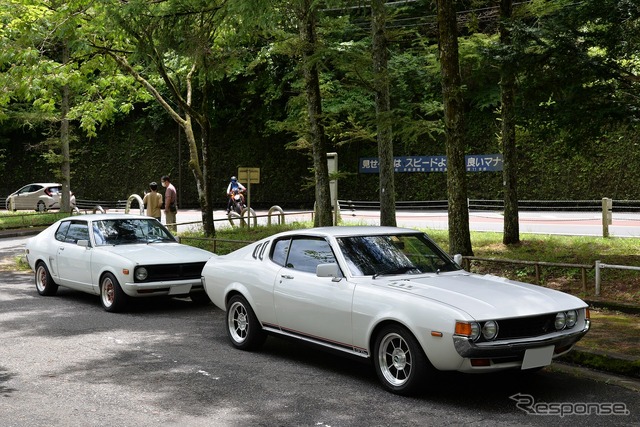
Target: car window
column 77, row 231
column 306, row 253
column 279, row 252
column 61, row 232
column 127, row 231
column 394, row 254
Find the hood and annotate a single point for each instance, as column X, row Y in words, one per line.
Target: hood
column 159, row 253
column 489, row 297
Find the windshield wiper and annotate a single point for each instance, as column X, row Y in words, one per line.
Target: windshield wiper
column 396, row 270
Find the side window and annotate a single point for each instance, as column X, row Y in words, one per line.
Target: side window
column 61, row 232
column 77, row 231
column 307, row 253
column 279, row 252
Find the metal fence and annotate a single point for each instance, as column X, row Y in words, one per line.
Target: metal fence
column 498, row 205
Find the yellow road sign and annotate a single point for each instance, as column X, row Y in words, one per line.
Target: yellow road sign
column 249, row 175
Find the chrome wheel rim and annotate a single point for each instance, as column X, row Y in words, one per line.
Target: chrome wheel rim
column 238, row 322
column 395, row 359
column 108, row 292
column 41, row 279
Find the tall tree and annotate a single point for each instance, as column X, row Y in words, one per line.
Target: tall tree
column 511, row 233
column 172, row 44
column 50, row 78
column 383, row 112
column 307, row 26
column 459, row 234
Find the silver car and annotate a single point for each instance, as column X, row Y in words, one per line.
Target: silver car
column 38, row 196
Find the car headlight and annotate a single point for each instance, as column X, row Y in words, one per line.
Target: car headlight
column 561, row 321
column 490, row 330
column 141, row 273
column 475, row 331
column 572, row 318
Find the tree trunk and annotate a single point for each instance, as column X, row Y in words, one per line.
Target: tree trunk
column 317, row 136
column 65, row 200
column 459, row 235
column 383, row 114
column 511, row 233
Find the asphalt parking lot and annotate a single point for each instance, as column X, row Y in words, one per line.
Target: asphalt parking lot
column 66, row 362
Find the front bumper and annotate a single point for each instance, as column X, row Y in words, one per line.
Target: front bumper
column 516, row 347
column 172, row 288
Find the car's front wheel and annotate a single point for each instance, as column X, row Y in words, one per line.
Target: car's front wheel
column 243, row 327
column 112, row 296
column 44, row 282
column 400, row 363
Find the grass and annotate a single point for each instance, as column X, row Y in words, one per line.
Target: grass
column 11, row 220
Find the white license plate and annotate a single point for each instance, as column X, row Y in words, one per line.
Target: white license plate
column 537, row 357
column 180, row 289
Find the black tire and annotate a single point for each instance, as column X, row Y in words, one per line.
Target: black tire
column 237, row 207
column 200, row 298
column 112, row 296
column 41, row 207
column 243, row 328
column 44, row 282
column 399, row 361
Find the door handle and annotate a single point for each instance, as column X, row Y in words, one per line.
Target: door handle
column 286, row 276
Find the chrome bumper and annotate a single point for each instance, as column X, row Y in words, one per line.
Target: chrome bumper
column 467, row 348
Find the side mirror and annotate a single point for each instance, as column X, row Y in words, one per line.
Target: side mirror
column 457, row 258
column 328, row 270
column 83, row 243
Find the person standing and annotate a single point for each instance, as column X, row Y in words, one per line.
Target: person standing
column 170, row 203
column 153, row 202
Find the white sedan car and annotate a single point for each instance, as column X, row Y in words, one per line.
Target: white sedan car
column 116, row 256
column 393, row 296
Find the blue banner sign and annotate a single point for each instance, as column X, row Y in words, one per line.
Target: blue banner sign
column 474, row 163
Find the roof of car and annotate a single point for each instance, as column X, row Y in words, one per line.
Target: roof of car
column 359, row 230
column 100, row 217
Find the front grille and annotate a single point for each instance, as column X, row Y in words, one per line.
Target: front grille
column 167, row 272
column 525, row 327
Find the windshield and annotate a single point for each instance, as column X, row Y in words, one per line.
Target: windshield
column 394, row 254
column 127, row 231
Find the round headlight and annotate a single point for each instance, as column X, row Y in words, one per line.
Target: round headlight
column 561, row 321
column 141, row 273
column 490, row 330
column 475, row 331
column 572, row 318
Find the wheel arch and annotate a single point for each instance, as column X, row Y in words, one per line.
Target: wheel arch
column 375, row 332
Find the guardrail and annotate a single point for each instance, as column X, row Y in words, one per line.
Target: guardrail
column 600, row 265
column 481, row 204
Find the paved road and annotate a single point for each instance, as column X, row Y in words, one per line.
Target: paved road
column 567, row 223
column 66, row 362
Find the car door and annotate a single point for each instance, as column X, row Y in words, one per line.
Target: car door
column 308, row 305
column 24, row 199
column 74, row 261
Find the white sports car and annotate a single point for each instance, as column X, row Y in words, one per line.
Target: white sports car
column 116, row 256
column 393, row 296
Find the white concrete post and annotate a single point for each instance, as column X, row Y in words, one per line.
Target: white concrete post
column 607, row 206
